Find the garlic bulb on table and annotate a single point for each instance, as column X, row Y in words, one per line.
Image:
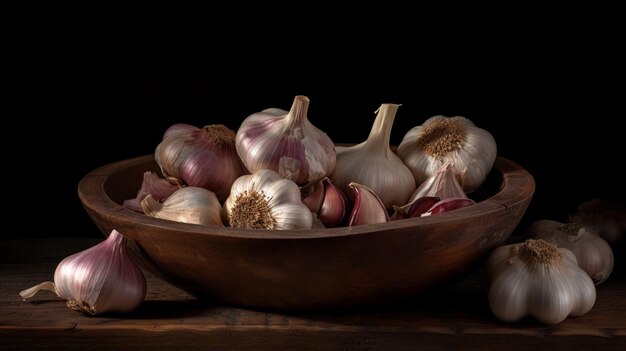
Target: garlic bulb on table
column 203, row 157
column 471, row 150
column 188, row 205
column 100, row 279
column 535, row 278
column 593, row 253
column 373, row 164
column 265, row 200
column 287, row 143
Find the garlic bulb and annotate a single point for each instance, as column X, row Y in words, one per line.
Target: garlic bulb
column 100, row 279
column 373, row 164
column 189, row 205
column 604, row 218
column 368, row 208
column 152, row 184
column 535, row 278
column 286, row 142
column 471, row 150
column 265, row 200
column 203, row 157
column 593, row 253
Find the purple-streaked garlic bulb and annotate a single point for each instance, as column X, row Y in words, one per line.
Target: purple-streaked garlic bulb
column 202, row 157
column 287, row 143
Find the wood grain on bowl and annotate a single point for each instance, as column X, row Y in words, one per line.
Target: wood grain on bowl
column 306, row 269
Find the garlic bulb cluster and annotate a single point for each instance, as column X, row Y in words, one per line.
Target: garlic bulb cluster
column 98, row 280
column 265, row 200
column 535, row 278
column 470, row 150
column 287, row 143
column 188, row 205
column 594, row 255
column 202, row 157
column 604, row 218
column 152, row 184
column 373, row 164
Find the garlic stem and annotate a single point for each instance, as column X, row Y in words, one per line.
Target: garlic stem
column 298, row 112
column 30, row 292
column 380, row 134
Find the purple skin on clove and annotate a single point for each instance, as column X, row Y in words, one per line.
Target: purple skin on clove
column 448, row 205
column 368, row 208
column 335, row 205
column 415, row 208
column 152, row 184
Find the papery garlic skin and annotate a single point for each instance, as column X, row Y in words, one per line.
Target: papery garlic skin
column 471, row 150
column 372, row 163
column 98, row 280
column 594, row 255
column 202, row 157
column 266, row 200
column 537, row 279
column 368, row 208
column 287, row 143
column 188, row 205
column 152, row 184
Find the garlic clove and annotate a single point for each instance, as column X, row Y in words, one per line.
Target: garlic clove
column 158, row 187
column 313, row 196
column 442, row 184
column 200, row 157
column 471, row 150
column 98, row 280
column 414, row 209
column 287, row 143
column 372, row 163
column 266, row 200
column 447, row 205
column 594, row 255
column 188, row 205
column 368, row 208
column 334, row 208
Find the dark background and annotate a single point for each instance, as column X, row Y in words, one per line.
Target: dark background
column 551, row 99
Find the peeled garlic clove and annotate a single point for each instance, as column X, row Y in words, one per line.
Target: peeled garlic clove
column 287, row 143
column 447, row 205
column 188, row 205
column 313, row 196
column 471, row 150
column 335, row 205
column 200, row 157
column 152, row 184
column 100, row 279
column 604, row 218
column 442, row 184
column 593, row 253
column 372, row 163
column 414, row 209
column 265, row 200
column 368, row 208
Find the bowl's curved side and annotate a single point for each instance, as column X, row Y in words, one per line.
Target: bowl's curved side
column 310, row 269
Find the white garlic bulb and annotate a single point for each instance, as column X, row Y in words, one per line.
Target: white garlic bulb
column 98, row 280
column 593, row 253
column 535, row 278
column 471, row 150
column 373, row 164
column 188, row 205
column 265, row 200
column 287, row 143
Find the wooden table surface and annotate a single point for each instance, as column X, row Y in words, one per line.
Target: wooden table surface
column 456, row 317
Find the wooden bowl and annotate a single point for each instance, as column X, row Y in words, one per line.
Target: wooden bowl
column 306, row 269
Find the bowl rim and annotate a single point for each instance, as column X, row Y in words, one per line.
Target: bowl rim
column 518, row 185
